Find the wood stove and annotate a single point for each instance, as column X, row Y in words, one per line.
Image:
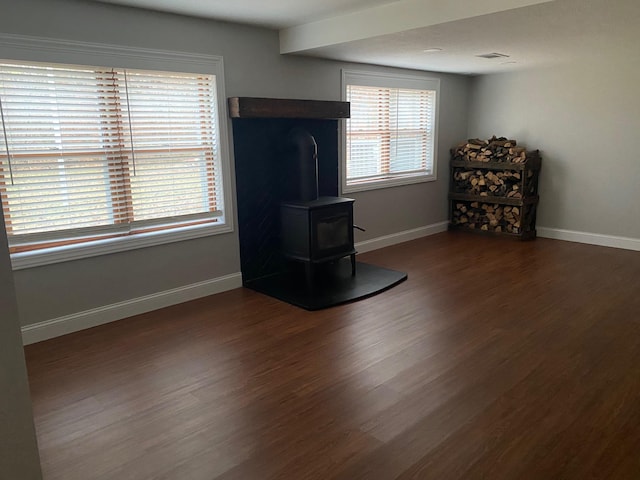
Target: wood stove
column 313, row 229
column 318, row 231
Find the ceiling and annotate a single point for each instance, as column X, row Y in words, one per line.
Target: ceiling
column 274, row 14
column 531, row 32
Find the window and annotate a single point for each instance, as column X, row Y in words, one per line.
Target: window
column 391, row 136
column 90, row 156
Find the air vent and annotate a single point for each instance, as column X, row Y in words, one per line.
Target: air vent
column 493, row 55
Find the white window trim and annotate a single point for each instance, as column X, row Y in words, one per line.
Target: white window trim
column 37, row 49
column 381, row 79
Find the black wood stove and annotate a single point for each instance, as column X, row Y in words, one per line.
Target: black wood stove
column 313, row 229
column 318, row 231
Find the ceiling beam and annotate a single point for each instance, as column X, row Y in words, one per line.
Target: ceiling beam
column 395, row 17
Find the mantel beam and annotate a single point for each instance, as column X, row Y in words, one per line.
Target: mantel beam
column 250, row 107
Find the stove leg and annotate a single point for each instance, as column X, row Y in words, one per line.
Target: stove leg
column 353, row 265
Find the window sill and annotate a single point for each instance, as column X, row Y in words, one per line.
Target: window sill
column 48, row 256
column 387, row 183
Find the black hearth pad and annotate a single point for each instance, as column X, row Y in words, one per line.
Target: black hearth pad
column 333, row 284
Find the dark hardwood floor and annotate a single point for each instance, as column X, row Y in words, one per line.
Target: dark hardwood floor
column 495, row 360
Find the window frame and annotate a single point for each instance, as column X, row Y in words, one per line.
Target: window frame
column 388, row 80
column 35, row 49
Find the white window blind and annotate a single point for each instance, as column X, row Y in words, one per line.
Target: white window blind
column 390, row 136
column 90, row 152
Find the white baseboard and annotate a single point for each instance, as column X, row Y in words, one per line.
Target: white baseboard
column 400, row 237
column 117, row 311
column 590, row 238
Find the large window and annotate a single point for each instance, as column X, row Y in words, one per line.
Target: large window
column 390, row 138
column 89, row 154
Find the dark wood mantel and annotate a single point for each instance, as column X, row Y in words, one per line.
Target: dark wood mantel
column 251, row 107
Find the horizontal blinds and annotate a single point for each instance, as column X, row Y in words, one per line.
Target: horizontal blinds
column 96, row 151
column 57, row 173
column 173, row 144
column 390, row 132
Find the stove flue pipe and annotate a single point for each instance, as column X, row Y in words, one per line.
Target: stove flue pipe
column 304, row 154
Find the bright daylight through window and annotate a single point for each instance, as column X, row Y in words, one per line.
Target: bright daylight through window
column 390, row 138
column 91, row 153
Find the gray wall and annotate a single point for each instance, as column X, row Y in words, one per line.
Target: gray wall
column 585, row 119
column 253, row 67
column 18, row 449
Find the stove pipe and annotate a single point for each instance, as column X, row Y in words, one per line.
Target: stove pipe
column 303, row 152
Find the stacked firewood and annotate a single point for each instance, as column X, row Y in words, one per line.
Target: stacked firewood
column 492, row 150
column 488, row 217
column 507, row 183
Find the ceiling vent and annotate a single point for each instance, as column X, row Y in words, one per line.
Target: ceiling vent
column 493, row 55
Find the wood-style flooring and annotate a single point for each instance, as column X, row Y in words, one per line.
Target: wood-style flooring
column 495, row 360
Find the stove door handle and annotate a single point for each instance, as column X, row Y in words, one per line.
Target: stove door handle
column 359, row 228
